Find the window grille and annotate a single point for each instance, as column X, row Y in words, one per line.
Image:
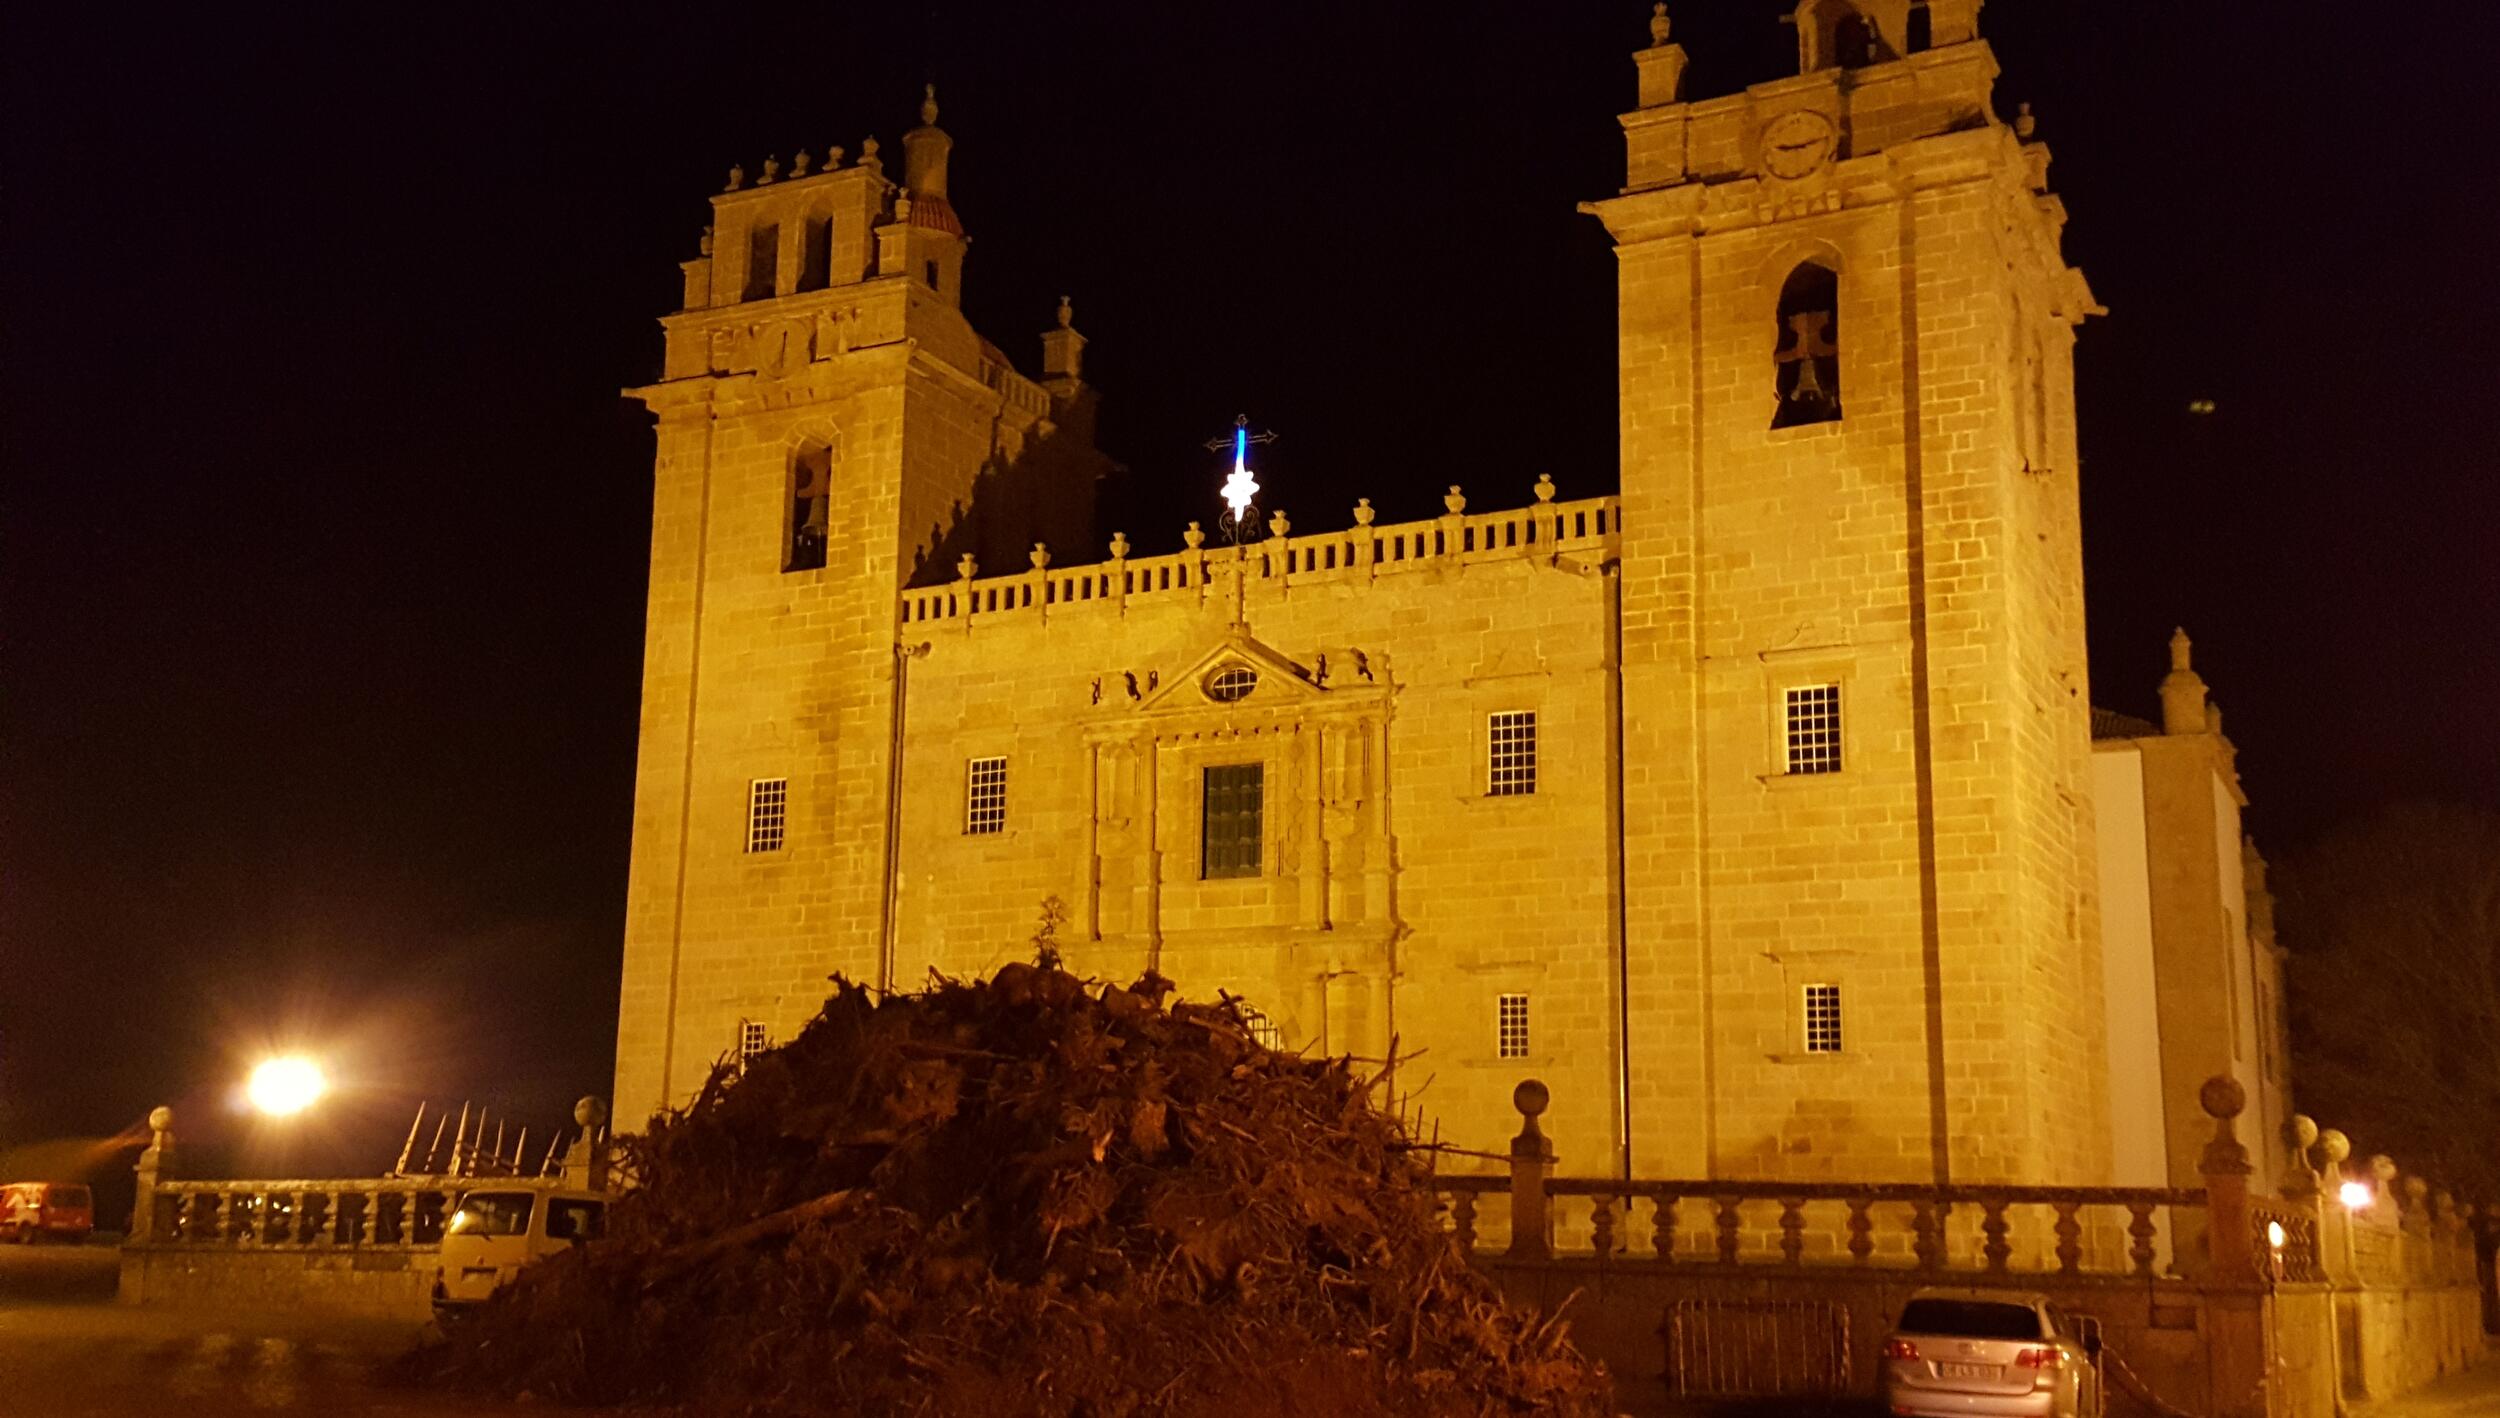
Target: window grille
column 1511, row 762
column 1232, row 684
column 768, row 813
column 1814, row 729
column 1510, row 1027
column 1232, row 820
column 985, row 796
column 1822, row 1019
column 751, row 1039
column 1262, row 1029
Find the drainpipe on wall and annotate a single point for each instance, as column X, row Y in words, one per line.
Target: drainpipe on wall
column 1623, row 938
column 888, row 881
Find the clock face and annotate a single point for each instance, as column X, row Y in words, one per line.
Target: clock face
column 1796, row 144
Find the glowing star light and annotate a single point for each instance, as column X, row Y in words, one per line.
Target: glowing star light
column 1240, row 488
column 284, row 1087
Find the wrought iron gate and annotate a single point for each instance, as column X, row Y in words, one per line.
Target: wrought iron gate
column 1757, row 1348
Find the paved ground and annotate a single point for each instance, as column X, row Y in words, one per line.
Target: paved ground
column 2473, row 1394
column 68, row 1351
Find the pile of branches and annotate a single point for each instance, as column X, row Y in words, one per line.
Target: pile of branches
column 1024, row 1195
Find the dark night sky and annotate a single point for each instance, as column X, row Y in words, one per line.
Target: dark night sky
column 325, row 524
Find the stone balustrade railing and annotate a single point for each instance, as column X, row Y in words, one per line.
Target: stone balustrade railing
column 1357, row 554
column 363, row 1215
column 2219, row 1232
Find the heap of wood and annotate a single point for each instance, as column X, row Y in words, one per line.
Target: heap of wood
column 1025, row 1195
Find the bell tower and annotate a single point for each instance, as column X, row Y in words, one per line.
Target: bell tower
column 829, row 427
column 1861, row 918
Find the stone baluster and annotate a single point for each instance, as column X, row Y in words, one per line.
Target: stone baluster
column 1463, row 1221
column 1662, row 1226
column 1531, row 1162
column 1926, row 1233
column 1861, row 1230
column 1730, row 1220
column 1602, row 1227
column 1992, row 1226
column 2140, row 1233
column 2069, row 1237
column 1792, row 1230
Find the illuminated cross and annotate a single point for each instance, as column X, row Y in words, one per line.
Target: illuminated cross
column 1809, row 347
column 1240, row 490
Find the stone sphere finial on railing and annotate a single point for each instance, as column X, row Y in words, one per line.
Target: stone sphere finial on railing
column 2300, row 1130
column 590, row 1112
column 160, row 1122
column 2223, row 1098
column 2300, row 1179
column 2417, row 1193
column 2383, row 1170
column 1531, row 1098
column 2333, row 1148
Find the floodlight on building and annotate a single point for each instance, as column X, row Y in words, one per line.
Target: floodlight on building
column 2274, row 1235
column 2356, row 1196
column 282, row 1087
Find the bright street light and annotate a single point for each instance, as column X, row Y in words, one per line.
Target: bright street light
column 2356, row 1196
column 285, row 1086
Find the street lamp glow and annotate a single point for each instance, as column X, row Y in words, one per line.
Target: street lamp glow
column 2356, row 1196
column 286, row 1086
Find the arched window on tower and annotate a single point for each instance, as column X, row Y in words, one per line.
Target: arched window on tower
column 811, row 486
column 1807, row 352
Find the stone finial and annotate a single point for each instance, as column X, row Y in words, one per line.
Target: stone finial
column 966, row 567
column 1278, row 525
column 868, row 155
column 2300, row 1133
column 1531, row 1098
column 2182, row 692
column 1363, row 513
column 902, row 208
column 1456, row 501
column 2213, row 716
column 2223, row 1100
column 799, row 162
column 737, row 178
column 590, row 1112
column 1545, row 487
column 2333, row 1148
column 2024, row 123
column 833, row 156
column 928, row 104
column 1067, row 313
column 1119, row 546
column 2417, row 1192
column 703, row 243
column 1193, row 538
column 1039, row 556
column 772, row 169
column 1659, row 25
column 160, row 1127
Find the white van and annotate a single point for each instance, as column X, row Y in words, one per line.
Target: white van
column 495, row 1230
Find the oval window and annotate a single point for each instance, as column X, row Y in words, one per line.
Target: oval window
column 1232, row 684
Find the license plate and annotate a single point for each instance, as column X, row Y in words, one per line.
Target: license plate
column 1966, row 1371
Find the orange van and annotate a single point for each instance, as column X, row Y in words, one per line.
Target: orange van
column 34, row 1211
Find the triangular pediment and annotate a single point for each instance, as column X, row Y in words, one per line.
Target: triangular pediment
column 1273, row 678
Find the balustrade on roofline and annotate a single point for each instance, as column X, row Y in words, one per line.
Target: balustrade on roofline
column 1357, row 554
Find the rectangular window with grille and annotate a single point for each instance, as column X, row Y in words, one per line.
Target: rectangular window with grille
column 1822, row 1019
column 1233, row 819
column 1511, row 764
column 1814, row 728
column 985, row 796
column 751, row 1040
column 768, row 813
column 1510, row 1027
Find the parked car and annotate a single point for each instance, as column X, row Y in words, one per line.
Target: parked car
column 33, row 1211
column 496, row 1230
column 1988, row 1352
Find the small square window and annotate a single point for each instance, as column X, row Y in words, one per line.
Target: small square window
column 1232, row 820
column 1510, row 1027
column 768, row 813
column 1822, row 1019
column 751, row 1039
column 1814, row 728
column 1511, row 764
column 985, row 796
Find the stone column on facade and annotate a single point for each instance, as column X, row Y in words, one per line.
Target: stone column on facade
column 155, row 1165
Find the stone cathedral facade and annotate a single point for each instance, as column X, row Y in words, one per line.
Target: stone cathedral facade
column 1752, row 808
